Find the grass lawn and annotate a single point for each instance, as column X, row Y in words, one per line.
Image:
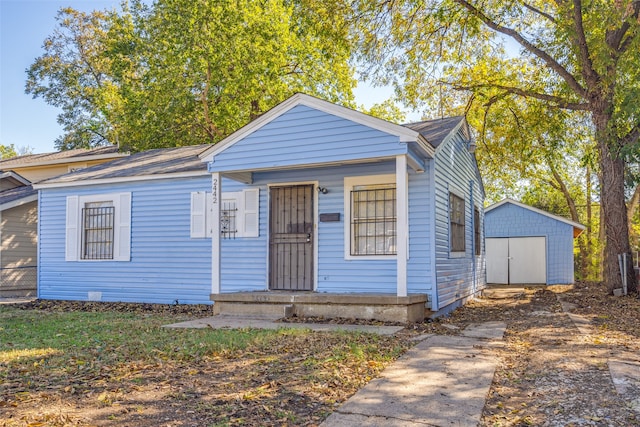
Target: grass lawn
column 121, row 368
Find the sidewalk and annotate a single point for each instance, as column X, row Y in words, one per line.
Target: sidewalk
column 442, row 381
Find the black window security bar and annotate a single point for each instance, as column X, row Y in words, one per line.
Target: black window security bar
column 97, row 233
column 228, row 228
column 373, row 221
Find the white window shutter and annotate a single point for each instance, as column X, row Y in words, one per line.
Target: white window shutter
column 71, row 232
column 123, row 248
column 250, row 212
column 198, row 215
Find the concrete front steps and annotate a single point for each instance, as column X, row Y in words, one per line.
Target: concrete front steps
column 382, row 307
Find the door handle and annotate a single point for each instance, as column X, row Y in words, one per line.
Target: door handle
column 308, row 237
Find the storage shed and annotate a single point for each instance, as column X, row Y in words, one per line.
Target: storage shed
column 526, row 245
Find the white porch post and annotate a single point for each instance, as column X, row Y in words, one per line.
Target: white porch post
column 216, row 192
column 402, row 226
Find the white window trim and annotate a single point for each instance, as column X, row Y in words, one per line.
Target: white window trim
column 121, row 226
column 456, row 254
column 349, row 183
column 247, row 214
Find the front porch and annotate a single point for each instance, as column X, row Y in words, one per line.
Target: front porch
column 382, row 307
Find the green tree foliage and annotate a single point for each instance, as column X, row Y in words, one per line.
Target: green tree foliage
column 570, row 56
column 183, row 72
column 7, row 151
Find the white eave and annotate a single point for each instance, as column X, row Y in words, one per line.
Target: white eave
column 15, row 176
column 403, row 133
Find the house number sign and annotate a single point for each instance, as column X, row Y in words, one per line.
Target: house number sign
column 214, row 191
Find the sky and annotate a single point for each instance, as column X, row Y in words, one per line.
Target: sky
column 24, row 24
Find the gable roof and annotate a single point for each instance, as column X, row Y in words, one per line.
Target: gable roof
column 152, row 164
column 66, row 156
column 15, row 177
column 404, row 133
column 17, row 196
column 436, row 131
column 577, row 227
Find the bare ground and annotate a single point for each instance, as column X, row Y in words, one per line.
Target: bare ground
column 551, row 372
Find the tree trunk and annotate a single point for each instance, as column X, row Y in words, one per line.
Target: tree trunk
column 587, row 260
column 582, row 271
column 614, row 209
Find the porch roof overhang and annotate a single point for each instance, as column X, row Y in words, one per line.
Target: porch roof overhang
column 246, row 175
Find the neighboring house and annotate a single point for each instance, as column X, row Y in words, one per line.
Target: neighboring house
column 526, row 245
column 19, row 211
column 311, row 209
column 37, row 167
column 18, row 240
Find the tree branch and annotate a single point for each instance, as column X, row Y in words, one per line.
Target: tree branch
column 614, row 38
column 633, row 136
column 551, row 62
column 560, row 102
column 591, row 77
column 539, row 12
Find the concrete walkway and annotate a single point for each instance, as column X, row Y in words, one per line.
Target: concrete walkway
column 442, row 381
column 265, row 322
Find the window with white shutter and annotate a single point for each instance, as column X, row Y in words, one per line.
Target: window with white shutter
column 98, row 227
column 239, row 214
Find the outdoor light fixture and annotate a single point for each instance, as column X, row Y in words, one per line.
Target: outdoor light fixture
column 323, row 190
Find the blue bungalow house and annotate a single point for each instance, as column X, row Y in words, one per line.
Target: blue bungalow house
column 311, row 209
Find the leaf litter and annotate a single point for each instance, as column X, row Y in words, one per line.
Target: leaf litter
column 549, row 373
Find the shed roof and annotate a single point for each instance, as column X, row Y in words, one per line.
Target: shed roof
column 436, row 131
column 577, row 227
column 152, row 164
column 76, row 155
column 17, row 196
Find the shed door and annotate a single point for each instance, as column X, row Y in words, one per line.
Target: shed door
column 291, row 238
column 516, row 260
column 497, row 251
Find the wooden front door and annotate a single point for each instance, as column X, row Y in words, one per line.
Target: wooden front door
column 291, row 238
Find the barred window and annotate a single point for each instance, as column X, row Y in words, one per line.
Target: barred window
column 476, row 230
column 97, row 230
column 228, row 211
column 373, row 220
column 456, row 223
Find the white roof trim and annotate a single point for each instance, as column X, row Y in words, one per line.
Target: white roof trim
column 536, row 210
column 18, row 202
column 118, row 180
column 309, row 165
column 405, row 134
column 16, row 176
column 69, row 160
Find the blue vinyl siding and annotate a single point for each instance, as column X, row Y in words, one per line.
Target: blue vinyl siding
column 166, row 264
column 307, row 136
column 510, row 220
column 456, row 171
column 335, row 274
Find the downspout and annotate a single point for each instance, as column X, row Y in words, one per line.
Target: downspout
column 473, row 239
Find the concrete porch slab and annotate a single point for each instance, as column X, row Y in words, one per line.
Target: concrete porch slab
column 370, row 306
column 270, row 322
